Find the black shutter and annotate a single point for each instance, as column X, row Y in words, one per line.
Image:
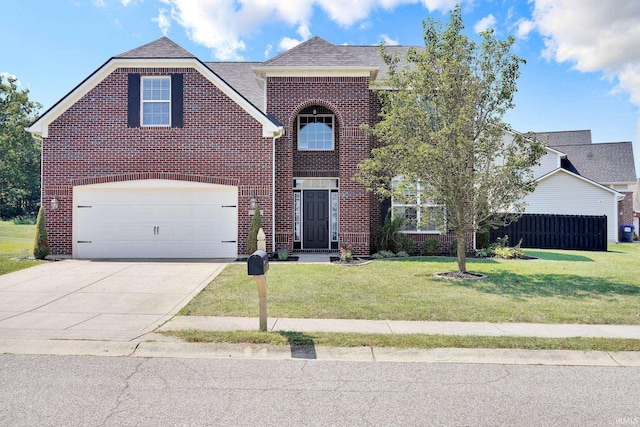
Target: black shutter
column 176, row 101
column 133, row 104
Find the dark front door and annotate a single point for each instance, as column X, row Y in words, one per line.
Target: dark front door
column 315, row 219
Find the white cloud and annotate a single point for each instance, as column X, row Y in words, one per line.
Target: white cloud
column 125, row 3
column 599, row 36
column 221, row 25
column 287, row 43
column 485, row 23
column 524, row 27
column 99, row 3
column 267, row 51
column 163, row 21
column 388, row 40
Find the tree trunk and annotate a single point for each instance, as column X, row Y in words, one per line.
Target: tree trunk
column 462, row 254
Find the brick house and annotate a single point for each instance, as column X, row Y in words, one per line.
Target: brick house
column 160, row 155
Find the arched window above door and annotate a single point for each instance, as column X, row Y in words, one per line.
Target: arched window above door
column 316, row 129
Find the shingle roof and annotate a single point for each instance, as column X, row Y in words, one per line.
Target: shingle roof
column 567, row 137
column 319, row 52
column 605, row 163
column 160, row 48
column 241, row 77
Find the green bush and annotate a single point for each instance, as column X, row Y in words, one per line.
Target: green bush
column 385, row 254
column 377, row 256
column 453, row 247
column 430, row 247
column 283, row 254
column 405, row 244
column 402, row 254
column 389, row 234
column 41, row 243
column 254, row 227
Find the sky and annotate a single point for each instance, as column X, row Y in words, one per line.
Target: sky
column 583, row 56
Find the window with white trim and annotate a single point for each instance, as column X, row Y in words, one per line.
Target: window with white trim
column 419, row 216
column 155, row 102
column 316, row 132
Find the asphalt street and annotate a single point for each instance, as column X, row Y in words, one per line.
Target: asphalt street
column 125, row 391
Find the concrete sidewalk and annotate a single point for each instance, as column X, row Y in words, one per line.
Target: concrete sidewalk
column 405, row 327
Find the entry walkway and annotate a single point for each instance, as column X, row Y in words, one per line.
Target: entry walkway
column 405, row 327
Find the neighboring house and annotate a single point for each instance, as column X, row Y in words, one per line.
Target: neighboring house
column 158, row 154
column 578, row 177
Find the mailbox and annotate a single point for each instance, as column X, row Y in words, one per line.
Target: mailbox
column 258, row 263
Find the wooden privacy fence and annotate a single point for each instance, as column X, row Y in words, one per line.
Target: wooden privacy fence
column 548, row 231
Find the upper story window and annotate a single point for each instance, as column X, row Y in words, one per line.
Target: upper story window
column 316, row 132
column 156, row 101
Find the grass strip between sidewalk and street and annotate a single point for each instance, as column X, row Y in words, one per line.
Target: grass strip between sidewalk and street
column 417, row 341
column 574, row 287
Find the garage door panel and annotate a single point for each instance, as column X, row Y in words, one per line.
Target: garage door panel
column 155, row 222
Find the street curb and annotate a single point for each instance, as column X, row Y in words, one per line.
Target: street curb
column 174, row 349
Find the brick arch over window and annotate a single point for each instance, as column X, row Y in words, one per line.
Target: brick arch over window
column 155, row 175
column 316, row 163
column 334, row 110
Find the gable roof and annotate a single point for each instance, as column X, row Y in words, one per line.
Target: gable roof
column 317, row 53
column 606, row 163
column 141, row 58
column 619, row 196
column 160, row 48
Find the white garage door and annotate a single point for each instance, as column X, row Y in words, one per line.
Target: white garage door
column 155, row 219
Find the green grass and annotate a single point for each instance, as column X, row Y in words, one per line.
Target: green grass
column 16, row 241
column 298, row 339
column 558, row 287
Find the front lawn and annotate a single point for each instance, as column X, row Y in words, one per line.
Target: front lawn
column 558, row 287
column 16, row 240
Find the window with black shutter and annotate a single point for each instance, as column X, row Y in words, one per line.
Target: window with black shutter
column 155, row 101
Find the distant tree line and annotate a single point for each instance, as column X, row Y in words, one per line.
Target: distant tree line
column 19, row 152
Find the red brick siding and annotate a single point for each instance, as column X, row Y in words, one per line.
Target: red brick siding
column 348, row 98
column 219, row 142
column 625, row 209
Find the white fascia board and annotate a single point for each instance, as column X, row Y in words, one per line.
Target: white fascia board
column 619, row 196
column 316, row 71
column 41, row 125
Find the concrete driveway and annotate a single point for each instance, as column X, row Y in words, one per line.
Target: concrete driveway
column 98, row 300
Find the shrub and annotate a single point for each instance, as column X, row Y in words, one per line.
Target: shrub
column 346, row 252
column 484, row 253
column 41, row 243
column 509, row 253
column 388, row 234
column 453, row 247
column 254, row 227
column 385, row 254
column 377, row 256
column 283, row 254
column 24, row 220
column 402, row 254
column 431, row 246
column 405, row 244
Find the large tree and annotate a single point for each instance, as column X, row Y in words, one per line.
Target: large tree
column 19, row 152
column 442, row 128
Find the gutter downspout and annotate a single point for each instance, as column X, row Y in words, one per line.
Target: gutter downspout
column 273, row 190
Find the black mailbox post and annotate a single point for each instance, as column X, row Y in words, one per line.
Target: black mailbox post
column 257, row 266
column 258, row 263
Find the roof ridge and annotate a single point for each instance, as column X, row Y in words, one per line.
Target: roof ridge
column 296, row 47
column 162, row 47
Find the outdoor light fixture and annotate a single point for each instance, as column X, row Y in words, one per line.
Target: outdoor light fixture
column 253, row 202
column 315, row 112
column 55, row 203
